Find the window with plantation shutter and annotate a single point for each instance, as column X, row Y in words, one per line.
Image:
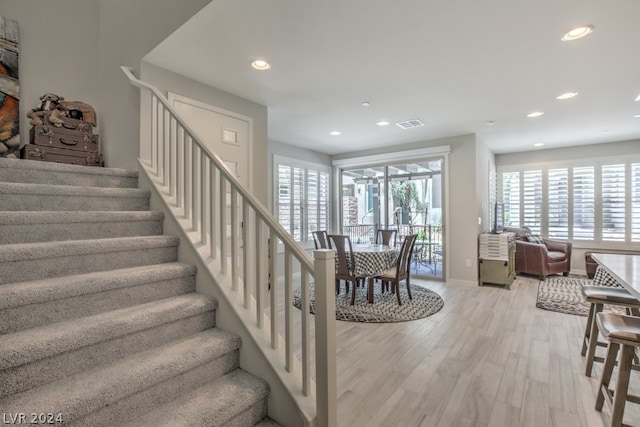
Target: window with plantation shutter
column 317, row 202
column 558, row 203
column 635, row 202
column 594, row 200
column 302, row 199
column 584, row 213
column 511, row 198
column 613, row 202
column 532, row 200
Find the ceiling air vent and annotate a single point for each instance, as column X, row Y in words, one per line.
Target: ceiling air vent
column 408, row 124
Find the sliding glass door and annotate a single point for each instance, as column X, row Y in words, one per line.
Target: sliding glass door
column 403, row 196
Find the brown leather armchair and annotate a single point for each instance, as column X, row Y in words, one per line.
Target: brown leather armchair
column 542, row 260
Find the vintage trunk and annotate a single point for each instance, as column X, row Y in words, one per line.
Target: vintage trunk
column 61, row 155
column 61, row 137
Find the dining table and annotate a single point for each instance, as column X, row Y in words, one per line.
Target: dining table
column 622, row 267
column 372, row 260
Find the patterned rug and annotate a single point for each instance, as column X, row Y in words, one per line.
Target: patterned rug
column 564, row 295
column 385, row 308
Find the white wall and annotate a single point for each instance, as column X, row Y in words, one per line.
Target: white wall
column 486, row 165
column 169, row 81
column 592, row 151
column 75, row 48
column 128, row 30
column 58, row 51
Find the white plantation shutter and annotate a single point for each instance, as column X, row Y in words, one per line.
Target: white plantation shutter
column 634, row 210
column 317, row 202
column 558, row 203
column 584, row 218
column 302, row 198
column 511, row 198
column 598, row 201
column 532, row 200
column 613, row 202
column 297, row 206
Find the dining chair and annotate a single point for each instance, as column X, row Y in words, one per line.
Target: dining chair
column 345, row 264
column 321, row 239
column 385, row 237
column 401, row 270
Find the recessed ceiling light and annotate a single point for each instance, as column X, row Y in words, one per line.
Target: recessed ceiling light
column 567, row 95
column 578, row 33
column 260, row 64
column 538, row 144
column 383, row 123
column 638, row 98
column 637, row 116
column 489, row 123
column 335, row 133
column 535, row 114
column 366, row 104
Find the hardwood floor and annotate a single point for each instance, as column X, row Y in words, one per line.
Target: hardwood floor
column 488, row 358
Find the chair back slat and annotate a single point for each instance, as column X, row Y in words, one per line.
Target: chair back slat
column 321, row 239
column 386, row 237
column 404, row 258
column 344, row 254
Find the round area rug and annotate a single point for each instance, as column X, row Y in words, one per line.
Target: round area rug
column 385, row 308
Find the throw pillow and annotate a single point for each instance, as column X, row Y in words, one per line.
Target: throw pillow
column 535, row 238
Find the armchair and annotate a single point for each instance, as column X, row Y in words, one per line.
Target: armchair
column 550, row 257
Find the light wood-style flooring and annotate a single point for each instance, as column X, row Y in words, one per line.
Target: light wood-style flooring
column 488, row 358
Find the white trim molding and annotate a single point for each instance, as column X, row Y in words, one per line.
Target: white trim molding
column 392, row 156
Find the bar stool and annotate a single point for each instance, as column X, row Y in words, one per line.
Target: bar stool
column 598, row 296
column 618, row 330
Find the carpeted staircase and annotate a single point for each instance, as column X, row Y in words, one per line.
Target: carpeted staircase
column 99, row 323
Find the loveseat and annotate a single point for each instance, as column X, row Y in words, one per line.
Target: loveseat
column 540, row 259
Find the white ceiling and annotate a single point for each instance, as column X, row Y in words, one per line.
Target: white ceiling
column 454, row 64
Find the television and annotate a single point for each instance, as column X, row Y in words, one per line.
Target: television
column 498, row 218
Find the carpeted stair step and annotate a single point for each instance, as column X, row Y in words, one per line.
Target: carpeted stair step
column 121, row 391
column 48, row 197
column 15, row 170
column 48, row 226
column 31, row 304
column 34, row 261
column 267, row 422
column 48, row 353
column 236, row 399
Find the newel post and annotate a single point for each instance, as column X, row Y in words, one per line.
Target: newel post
column 325, row 302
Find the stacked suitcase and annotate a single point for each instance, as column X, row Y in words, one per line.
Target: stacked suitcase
column 72, row 142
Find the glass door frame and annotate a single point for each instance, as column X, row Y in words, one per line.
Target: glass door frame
column 442, row 157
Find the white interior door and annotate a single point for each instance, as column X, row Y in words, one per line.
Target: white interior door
column 225, row 133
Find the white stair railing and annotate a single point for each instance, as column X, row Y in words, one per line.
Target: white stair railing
column 237, row 234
